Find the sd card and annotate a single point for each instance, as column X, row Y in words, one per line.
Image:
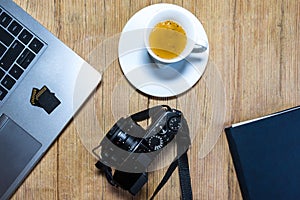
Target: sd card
column 44, row 98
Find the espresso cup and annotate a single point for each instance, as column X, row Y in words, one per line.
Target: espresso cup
column 182, row 18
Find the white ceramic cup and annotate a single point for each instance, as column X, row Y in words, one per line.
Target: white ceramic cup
column 185, row 20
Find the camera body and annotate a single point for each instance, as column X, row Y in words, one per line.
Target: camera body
column 130, row 149
column 160, row 132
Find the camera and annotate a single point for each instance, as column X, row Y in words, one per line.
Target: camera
column 131, row 149
column 161, row 131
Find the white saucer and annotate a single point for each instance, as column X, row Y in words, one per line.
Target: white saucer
column 141, row 71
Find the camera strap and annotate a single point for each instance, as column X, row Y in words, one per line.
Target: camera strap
column 183, row 171
column 145, row 114
column 184, row 177
column 182, row 164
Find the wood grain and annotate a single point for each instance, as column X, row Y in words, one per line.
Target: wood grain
column 254, row 45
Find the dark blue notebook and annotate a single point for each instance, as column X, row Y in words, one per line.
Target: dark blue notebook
column 266, row 155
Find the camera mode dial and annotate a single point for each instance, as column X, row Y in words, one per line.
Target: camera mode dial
column 174, row 123
column 156, row 142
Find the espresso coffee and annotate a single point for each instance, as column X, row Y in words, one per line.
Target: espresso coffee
column 167, row 39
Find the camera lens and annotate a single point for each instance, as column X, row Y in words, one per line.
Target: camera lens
column 121, row 137
column 131, row 143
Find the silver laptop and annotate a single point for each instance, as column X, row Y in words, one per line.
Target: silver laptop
column 42, row 84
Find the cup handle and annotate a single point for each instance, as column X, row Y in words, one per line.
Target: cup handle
column 201, row 46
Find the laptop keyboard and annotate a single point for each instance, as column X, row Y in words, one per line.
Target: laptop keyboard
column 18, row 49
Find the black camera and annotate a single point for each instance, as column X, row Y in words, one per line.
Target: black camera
column 130, row 149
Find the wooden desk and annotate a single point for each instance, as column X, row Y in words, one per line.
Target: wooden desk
column 255, row 46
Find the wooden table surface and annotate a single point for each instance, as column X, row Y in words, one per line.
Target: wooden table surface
column 254, row 48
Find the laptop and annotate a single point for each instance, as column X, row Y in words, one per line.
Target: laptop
column 42, row 85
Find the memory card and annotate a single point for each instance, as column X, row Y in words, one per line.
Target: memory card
column 40, row 92
column 33, row 100
column 47, row 100
column 44, row 98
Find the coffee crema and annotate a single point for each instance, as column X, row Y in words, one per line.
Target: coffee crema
column 167, row 39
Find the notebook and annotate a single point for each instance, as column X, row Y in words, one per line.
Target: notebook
column 42, row 84
column 265, row 154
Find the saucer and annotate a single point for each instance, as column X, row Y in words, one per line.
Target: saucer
column 143, row 73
